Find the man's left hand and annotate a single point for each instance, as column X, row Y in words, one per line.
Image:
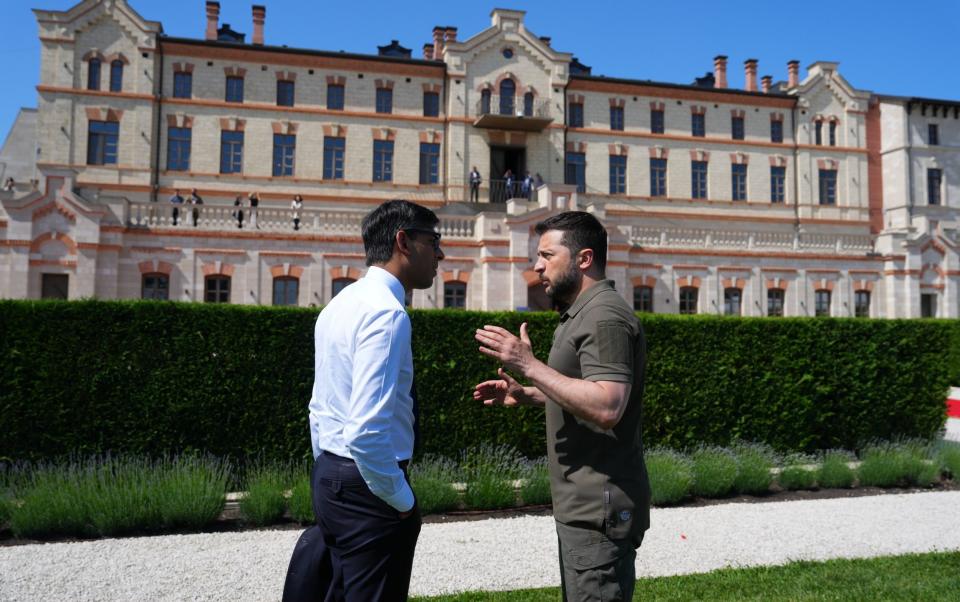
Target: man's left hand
column 515, row 353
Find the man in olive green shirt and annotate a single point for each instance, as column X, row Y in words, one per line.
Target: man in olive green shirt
column 591, row 388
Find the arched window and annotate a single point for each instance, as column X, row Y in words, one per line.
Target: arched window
column 485, row 102
column 286, row 290
column 455, row 295
column 508, row 89
column 688, row 299
column 93, row 74
column 528, row 104
column 116, row 76
column 339, row 284
column 217, row 289
column 155, row 286
column 732, row 298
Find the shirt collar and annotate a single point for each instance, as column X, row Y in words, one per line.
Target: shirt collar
column 585, row 297
column 384, row 277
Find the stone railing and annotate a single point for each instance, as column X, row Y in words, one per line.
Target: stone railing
column 690, row 238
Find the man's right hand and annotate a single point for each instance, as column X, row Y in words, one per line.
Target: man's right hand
column 504, row 392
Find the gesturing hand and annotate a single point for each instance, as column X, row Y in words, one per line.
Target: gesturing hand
column 504, row 392
column 516, row 354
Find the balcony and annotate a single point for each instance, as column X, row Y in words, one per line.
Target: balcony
column 512, row 113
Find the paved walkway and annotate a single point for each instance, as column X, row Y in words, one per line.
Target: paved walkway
column 495, row 554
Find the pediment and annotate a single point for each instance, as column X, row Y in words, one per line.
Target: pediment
column 90, row 14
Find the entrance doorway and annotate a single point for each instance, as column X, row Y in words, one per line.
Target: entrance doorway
column 503, row 158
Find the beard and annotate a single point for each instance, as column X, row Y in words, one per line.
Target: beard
column 563, row 289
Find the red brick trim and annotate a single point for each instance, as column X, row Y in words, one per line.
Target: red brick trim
column 384, row 83
column 863, row 285
column 384, row 133
column 699, row 155
column 685, row 281
column 778, row 161
column 739, row 158
column 457, row 276
column 738, row 113
column 46, row 237
column 823, row 284
column 576, row 147
column 650, row 281
column 232, row 124
column 287, row 76
column 618, row 150
column 335, row 130
column 337, row 80
column 234, row 72
column 218, row 268
column 94, row 54
column 431, row 137
column 287, row 128
column 698, row 110
column 98, row 114
column 50, row 208
column 657, row 106
column 659, row 152
column 117, row 56
column 432, row 88
column 828, row 164
column 339, row 272
column 617, row 102
column 777, row 283
column 734, row 283
column 179, row 120
column 154, row 266
column 575, row 99
column 506, row 75
column 776, row 117
column 183, row 67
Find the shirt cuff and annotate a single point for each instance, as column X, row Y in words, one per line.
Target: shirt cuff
column 403, row 500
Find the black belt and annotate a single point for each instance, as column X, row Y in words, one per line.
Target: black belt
column 401, row 463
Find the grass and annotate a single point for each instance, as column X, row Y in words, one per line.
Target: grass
column 898, row 464
column 671, row 476
column 432, row 481
column 264, row 502
column 754, row 461
column 117, row 495
column 536, row 482
column 714, row 472
column 890, row 578
column 795, row 473
column 835, row 471
column 300, row 503
column 948, row 457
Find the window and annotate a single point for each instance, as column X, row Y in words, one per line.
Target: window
column 828, row 186
column 698, row 126
column 508, row 90
column 618, row 174
column 431, row 104
column 775, row 302
column 818, row 133
column 698, row 179
column 778, row 184
column 736, row 128
column 155, row 286
column 616, row 118
column 738, row 181
column 928, row 305
column 284, row 152
column 285, row 93
column 576, row 171
column 339, row 284
column 776, row 131
column 384, row 100
column 934, row 180
column 658, row 177
column 178, row 148
column 528, row 104
column 833, row 133
column 333, row 150
column 429, row 163
column 217, row 289
column 231, row 152
column 234, row 92
column 54, row 286
column 821, row 303
column 286, row 290
column 93, row 74
column 575, row 117
column 485, row 102
column 933, row 134
column 335, row 97
column 116, row 76
column 732, row 298
column 455, row 295
column 102, row 142
column 383, row 160
column 182, row 84
column 861, row 304
column 688, row 299
column 656, row 121
column 643, row 298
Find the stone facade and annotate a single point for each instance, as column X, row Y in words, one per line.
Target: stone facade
column 835, row 216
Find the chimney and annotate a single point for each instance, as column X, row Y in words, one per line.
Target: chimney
column 750, row 71
column 793, row 73
column 259, row 16
column 450, row 36
column 438, row 33
column 765, row 83
column 545, row 39
column 719, row 71
column 428, row 52
column 213, row 20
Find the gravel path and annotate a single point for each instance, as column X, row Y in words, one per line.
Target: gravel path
column 495, row 554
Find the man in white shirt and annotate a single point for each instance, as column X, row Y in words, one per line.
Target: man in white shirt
column 362, row 420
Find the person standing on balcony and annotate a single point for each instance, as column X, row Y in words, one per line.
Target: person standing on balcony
column 475, row 181
column 296, row 206
column 254, row 199
column 196, row 200
column 591, row 388
column 537, row 181
column 8, row 185
column 508, row 184
column 177, row 201
column 526, row 186
column 238, row 211
column 363, row 420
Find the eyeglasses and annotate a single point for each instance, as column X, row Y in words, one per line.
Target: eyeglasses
column 436, row 235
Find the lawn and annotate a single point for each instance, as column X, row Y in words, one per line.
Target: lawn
column 913, row 577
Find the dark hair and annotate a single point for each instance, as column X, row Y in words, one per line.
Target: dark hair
column 380, row 227
column 581, row 231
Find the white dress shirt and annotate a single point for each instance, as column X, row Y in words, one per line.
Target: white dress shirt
column 361, row 406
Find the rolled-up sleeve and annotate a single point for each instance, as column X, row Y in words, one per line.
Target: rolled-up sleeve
column 382, row 343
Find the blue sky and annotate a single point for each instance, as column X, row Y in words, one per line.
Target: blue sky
column 882, row 45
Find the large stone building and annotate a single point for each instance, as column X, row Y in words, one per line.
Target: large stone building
column 798, row 197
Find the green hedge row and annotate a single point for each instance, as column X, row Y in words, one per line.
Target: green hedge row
column 148, row 378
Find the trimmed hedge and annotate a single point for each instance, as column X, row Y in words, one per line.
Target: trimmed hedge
column 141, row 377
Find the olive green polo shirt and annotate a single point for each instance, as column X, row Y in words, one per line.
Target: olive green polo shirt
column 598, row 477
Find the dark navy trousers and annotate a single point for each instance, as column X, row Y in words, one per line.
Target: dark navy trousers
column 360, row 550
